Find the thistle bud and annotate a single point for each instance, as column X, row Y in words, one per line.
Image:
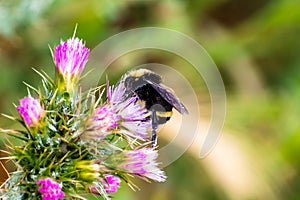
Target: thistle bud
column 30, row 110
column 88, row 170
column 70, row 58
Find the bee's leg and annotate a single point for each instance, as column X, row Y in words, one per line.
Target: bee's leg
column 154, row 128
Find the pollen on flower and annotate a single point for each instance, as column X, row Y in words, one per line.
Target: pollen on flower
column 30, row 110
column 50, row 189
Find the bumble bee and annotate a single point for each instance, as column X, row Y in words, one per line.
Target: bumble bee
column 158, row 98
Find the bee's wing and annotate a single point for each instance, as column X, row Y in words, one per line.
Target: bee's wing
column 169, row 95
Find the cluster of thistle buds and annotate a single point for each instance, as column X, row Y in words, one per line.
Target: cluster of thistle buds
column 76, row 143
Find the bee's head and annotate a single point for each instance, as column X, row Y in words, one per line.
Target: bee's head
column 129, row 83
column 138, row 78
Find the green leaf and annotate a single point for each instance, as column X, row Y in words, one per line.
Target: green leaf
column 18, row 137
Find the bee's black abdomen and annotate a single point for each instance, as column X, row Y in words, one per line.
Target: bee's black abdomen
column 148, row 94
column 154, row 102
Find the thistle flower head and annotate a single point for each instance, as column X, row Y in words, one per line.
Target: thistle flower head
column 106, row 117
column 133, row 115
column 50, row 189
column 142, row 163
column 111, row 183
column 70, row 58
column 126, row 113
column 30, row 110
column 131, row 112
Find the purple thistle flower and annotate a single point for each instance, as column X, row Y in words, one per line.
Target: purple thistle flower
column 101, row 123
column 111, row 183
column 127, row 113
column 30, row 110
column 70, row 58
column 105, row 119
column 50, row 189
column 131, row 112
column 142, row 163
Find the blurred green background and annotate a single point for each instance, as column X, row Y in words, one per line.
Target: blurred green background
column 256, row 47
